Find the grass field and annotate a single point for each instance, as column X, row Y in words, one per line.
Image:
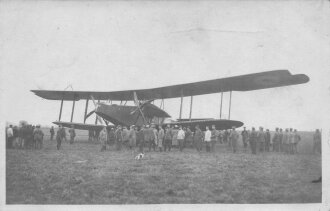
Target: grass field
column 81, row 174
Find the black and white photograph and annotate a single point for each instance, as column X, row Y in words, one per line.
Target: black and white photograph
column 165, row 105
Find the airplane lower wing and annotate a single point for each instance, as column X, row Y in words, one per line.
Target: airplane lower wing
column 220, row 124
column 80, row 126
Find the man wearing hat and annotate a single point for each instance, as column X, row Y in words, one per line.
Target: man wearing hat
column 168, row 138
column 198, row 138
column 132, row 137
column 38, row 136
column 72, row 133
column 213, row 138
column 103, row 138
column 245, row 137
column 175, row 135
column 180, row 137
column 60, row 135
column 234, row 138
column 276, row 141
column 119, row 137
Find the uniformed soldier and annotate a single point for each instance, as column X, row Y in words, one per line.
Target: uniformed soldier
column 125, row 135
column 261, row 139
column 160, row 138
column 140, row 139
column 103, row 139
column 188, row 137
column 198, row 138
column 286, row 142
column 168, row 138
column 280, row 136
column 234, row 138
column 72, row 133
column 296, row 138
column 213, row 138
column 245, row 136
column 276, row 141
column 119, row 137
column 267, row 140
column 60, row 136
column 38, row 137
column 253, row 138
column 207, row 139
column 149, row 137
column 175, row 131
column 52, row 133
column 111, row 137
column 132, row 137
column 180, row 138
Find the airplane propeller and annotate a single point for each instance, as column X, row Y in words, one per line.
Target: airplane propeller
column 140, row 106
column 98, row 118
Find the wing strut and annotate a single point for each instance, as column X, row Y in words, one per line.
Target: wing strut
column 221, row 104
column 59, row 116
column 229, row 105
column 73, row 104
column 86, row 108
column 181, row 105
column 191, row 102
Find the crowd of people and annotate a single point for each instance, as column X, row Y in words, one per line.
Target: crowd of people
column 158, row 139
column 25, row 136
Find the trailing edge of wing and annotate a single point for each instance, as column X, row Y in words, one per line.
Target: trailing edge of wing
column 255, row 81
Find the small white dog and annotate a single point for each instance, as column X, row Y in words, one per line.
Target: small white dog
column 139, row 156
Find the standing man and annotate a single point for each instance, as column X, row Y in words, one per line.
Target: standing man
column 38, row 136
column 261, row 139
column 125, row 135
column 168, row 138
column 189, row 136
column 10, row 136
column 132, row 137
column 60, row 135
column 296, row 138
column 160, row 137
column 198, row 138
column 52, row 133
column 119, row 138
column 103, row 138
column 253, row 140
column 72, row 133
column 149, row 137
column 280, row 136
column 317, row 141
column 291, row 141
column 213, row 138
column 267, row 141
column 155, row 132
column 207, row 139
column 175, row 131
column 234, row 138
column 286, row 141
column 140, row 138
column 111, row 136
column 276, row 141
column 245, row 137
column 181, row 135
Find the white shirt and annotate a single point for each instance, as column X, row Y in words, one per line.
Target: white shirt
column 181, row 134
column 207, row 135
column 10, row 132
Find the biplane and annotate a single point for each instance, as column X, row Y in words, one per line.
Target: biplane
column 145, row 112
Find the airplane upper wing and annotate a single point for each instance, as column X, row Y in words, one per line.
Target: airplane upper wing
column 255, row 81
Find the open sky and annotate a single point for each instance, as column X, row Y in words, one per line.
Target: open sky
column 109, row 46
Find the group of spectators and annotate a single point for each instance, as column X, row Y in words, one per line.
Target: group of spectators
column 25, row 136
column 158, row 139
